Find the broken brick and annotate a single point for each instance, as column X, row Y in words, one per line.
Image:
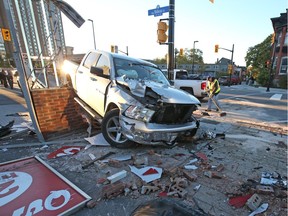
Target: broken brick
column 148, row 189
column 213, row 174
column 220, row 168
column 113, row 190
column 91, row 204
column 263, row 189
column 181, row 182
column 101, row 180
column 114, row 163
column 189, row 176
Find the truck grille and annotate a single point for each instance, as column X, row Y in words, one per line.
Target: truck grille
column 173, row 114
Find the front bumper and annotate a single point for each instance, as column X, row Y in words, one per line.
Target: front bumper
column 153, row 133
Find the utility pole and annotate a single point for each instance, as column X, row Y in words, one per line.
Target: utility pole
column 171, row 56
column 232, row 65
column 93, row 32
column 193, row 55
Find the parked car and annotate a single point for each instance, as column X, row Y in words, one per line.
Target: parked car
column 225, row 80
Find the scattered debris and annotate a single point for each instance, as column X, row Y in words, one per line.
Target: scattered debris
column 146, row 189
column 239, row 201
column 197, row 187
column 146, row 178
column 6, row 129
column 117, row 176
column 272, row 179
column 96, row 159
column 260, row 209
column 97, row 140
column 113, row 190
column 64, row 151
column 254, row 202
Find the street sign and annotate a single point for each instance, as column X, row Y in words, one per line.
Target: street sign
column 29, row 186
column 158, row 11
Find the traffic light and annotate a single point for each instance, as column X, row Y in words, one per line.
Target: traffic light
column 216, row 48
column 267, row 63
column 181, row 52
column 161, row 32
column 112, row 48
column 6, row 34
column 230, row 69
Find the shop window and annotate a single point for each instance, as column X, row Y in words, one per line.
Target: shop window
column 283, row 66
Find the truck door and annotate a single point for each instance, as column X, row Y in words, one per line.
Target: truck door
column 83, row 75
column 97, row 86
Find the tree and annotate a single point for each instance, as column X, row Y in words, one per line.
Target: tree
column 187, row 58
column 256, row 59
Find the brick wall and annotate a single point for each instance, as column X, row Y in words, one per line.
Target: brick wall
column 57, row 111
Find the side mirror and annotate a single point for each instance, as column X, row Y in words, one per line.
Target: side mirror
column 98, row 72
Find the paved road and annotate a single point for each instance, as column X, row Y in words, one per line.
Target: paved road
column 250, row 148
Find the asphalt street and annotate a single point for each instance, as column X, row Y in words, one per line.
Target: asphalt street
column 252, row 140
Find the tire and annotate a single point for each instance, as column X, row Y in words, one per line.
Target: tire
column 111, row 130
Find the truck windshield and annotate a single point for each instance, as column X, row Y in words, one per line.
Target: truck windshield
column 139, row 71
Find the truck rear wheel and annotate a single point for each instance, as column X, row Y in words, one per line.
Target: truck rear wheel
column 112, row 131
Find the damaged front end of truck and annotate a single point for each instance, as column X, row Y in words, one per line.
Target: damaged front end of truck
column 159, row 114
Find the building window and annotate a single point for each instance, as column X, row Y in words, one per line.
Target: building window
column 283, row 66
column 286, row 39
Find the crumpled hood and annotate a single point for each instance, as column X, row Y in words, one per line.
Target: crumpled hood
column 169, row 94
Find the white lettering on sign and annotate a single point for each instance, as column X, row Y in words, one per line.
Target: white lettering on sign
column 49, row 204
column 69, row 151
column 12, row 185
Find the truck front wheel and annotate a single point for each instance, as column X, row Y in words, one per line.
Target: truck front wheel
column 112, row 131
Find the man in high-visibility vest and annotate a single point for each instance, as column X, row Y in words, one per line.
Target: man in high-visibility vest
column 213, row 88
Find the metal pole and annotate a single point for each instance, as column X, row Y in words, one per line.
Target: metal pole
column 232, row 65
column 93, row 32
column 20, row 68
column 193, row 55
column 171, row 57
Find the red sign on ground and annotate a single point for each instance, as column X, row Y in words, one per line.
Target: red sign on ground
column 29, row 186
column 64, row 151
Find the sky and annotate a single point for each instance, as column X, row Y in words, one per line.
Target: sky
column 125, row 23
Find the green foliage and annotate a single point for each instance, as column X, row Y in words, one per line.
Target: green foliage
column 187, row 58
column 256, row 58
column 263, row 77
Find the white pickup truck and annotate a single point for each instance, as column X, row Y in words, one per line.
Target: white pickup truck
column 182, row 80
column 132, row 99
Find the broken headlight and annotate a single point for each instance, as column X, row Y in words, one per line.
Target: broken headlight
column 139, row 113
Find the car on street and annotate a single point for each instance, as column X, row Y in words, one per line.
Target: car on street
column 225, row 80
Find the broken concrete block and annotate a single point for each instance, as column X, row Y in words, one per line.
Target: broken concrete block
column 146, row 189
column 254, row 202
column 143, row 161
column 181, row 182
column 264, row 189
column 177, row 190
column 117, row 176
column 189, row 176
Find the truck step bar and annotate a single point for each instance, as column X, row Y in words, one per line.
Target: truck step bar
column 88, row 109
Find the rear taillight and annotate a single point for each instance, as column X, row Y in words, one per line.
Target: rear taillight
column 203, row 85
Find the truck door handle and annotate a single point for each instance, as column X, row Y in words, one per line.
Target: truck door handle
column 80, row 72
column 93, row 79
